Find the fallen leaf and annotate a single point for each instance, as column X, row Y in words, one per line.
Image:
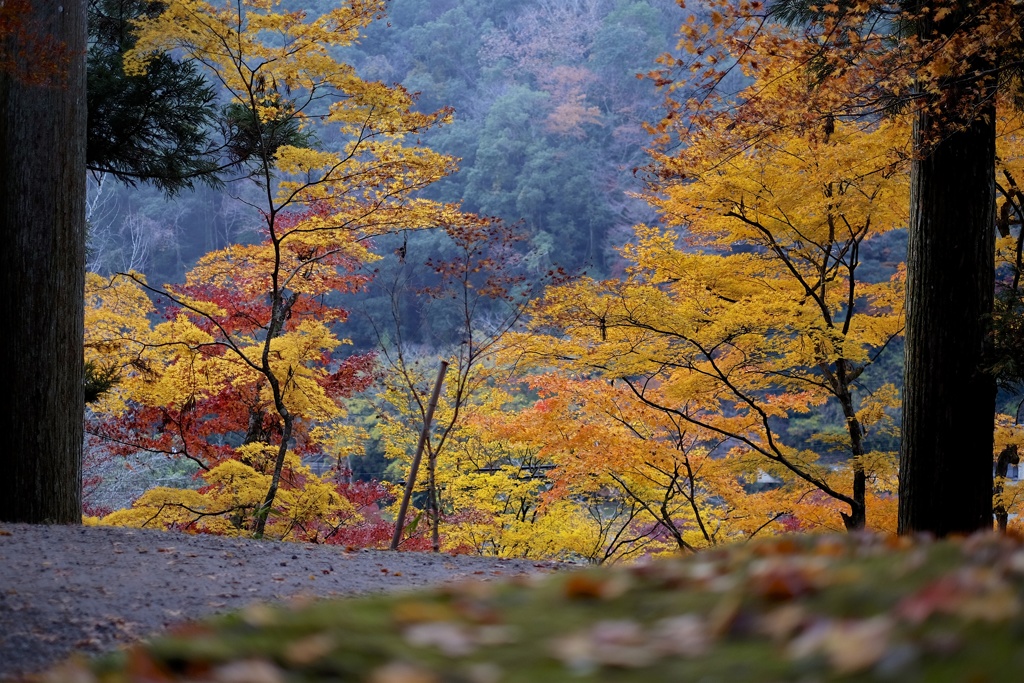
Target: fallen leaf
column 74, row 670
column 249, row 671
column 309, row 649
column 782, row 623
column 418, row 612
column 619, row 643
column 786, row 578
column 849, row 646
column 859, row 645
column 784, row 546
column 400, row 672
column 686, row 636
column 453, row 639
column 259, row 615
column 591, row 586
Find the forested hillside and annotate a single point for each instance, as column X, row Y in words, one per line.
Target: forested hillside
column 547, row 124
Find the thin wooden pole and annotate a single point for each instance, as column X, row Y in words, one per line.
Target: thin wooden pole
column 411, row 479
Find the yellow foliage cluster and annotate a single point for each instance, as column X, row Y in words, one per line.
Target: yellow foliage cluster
column 491, row 490
column 279, row 66
column 744, row 309
column 308, row 509
column 117, row 330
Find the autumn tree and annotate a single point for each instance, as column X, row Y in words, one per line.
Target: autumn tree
column 487, row 488
column 942, row 64
column 475, row 293
column 746, row 310
column 187, row 389
column 320, row 207
column 642, row 479
column 42, row 181
column 1007, row 359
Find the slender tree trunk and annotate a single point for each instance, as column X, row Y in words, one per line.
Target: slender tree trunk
column 857, row 519
column 263, row 512
column 1007, row 457
column 42, row 212
column 949, row 400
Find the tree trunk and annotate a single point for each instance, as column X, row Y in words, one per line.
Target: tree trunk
column 949, row 399
column 857, row 518
column 42, row 211
column 1007, row 457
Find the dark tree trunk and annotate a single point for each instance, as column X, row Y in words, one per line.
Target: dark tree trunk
column 949, row 400
column 1007, row 457
column 42, row 211
column 857, row 518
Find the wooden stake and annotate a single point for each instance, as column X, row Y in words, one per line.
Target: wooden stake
column 411, row 479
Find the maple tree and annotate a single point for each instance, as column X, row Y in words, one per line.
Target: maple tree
column 489, row 491
column 943, row 64
column 745, row 310
column 248, row 346
column 648, row 484
column 186, row 389
column 117, row 330
column 1006, row 359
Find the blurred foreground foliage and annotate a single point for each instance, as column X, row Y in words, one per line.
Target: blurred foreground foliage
column 792, row 608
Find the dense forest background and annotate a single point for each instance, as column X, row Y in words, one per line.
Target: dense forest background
column 548, row 124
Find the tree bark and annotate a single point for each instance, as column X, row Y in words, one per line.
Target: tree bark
column 949, row 398
column 1007, row 457
column 42, row 212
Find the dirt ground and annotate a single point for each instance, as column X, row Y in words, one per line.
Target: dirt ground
column 67, row 589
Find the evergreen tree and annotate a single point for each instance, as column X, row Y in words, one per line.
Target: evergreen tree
column 154, row 127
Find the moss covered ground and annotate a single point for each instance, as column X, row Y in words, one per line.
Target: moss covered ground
column 796, row 608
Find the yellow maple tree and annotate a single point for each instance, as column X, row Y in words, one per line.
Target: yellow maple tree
column 746, row 308
column 1008, row 501
column 489, row 490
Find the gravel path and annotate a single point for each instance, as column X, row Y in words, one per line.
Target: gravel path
column 89, row 589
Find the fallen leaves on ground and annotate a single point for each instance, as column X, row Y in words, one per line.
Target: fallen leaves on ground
column 800, row 608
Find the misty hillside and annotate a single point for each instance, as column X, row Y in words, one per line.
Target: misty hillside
column 548, row 124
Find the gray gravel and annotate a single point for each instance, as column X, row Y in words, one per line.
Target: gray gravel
column 67, row 589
